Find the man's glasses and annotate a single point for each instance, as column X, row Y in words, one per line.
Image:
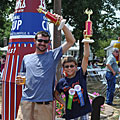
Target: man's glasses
column 67, row 66
column 41, row 40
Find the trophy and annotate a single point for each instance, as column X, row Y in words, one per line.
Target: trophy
column 88, row 28
column 52, row 18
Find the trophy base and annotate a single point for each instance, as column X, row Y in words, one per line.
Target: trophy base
column 87, row 40
column 61, row 24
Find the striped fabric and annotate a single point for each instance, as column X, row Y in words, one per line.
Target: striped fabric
column 26, row 23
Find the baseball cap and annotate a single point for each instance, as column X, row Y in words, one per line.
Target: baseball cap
column 115, row 49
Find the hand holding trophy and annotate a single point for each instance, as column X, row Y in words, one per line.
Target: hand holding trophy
column 88, row 28
column 56, row 19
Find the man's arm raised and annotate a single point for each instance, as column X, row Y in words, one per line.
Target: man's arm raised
column 70, row 40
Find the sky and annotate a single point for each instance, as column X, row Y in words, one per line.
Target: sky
column 118, row 14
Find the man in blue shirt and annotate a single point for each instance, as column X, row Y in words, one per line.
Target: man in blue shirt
column 112, row 70
column 40, row 69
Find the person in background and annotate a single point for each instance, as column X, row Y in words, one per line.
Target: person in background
column 104, row 60
column 73, row 85
column 94, row 64
column 119, row 67
column 3, row 59
column 40, row 69
column 90, row 66
column 112, row 70
column 79, row 62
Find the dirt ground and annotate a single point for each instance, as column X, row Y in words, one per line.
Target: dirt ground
column 98, row 87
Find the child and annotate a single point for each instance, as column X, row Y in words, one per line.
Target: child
column 119, row 67
column 74, row 87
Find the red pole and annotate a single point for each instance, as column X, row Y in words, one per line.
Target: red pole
column 26, row 23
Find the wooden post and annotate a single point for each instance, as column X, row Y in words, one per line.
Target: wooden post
column 57, row 43
column 57, row 34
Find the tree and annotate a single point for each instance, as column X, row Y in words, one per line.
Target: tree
column 105, row 24
column 6, row 7
column 103, row 18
